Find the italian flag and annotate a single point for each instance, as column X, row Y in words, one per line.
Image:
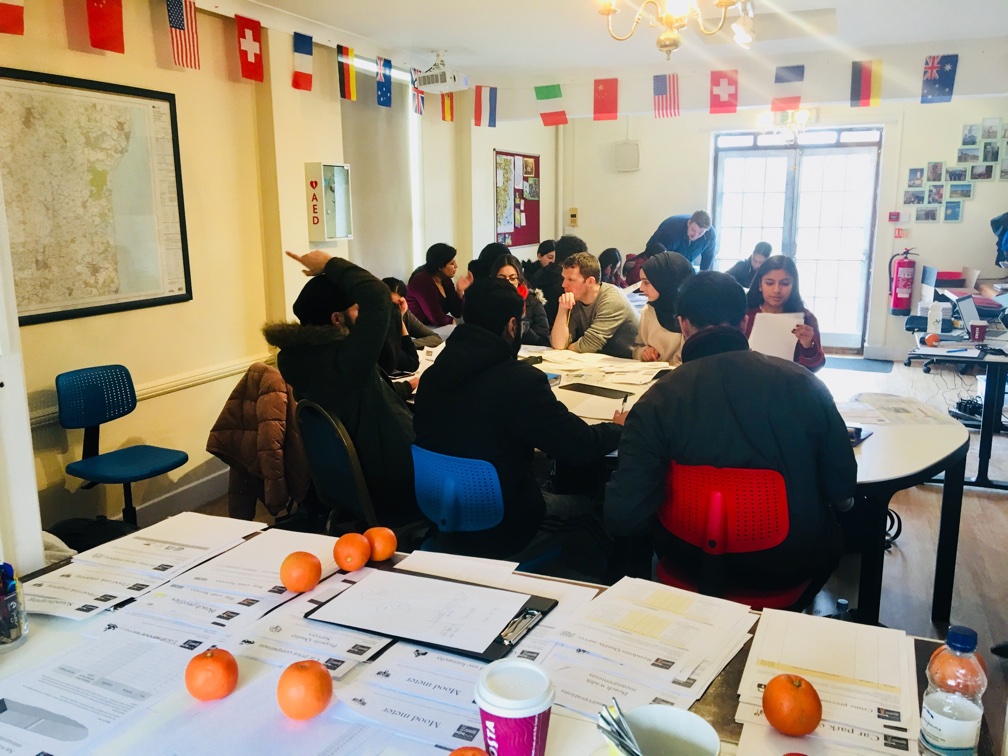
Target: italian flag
column 551, row 107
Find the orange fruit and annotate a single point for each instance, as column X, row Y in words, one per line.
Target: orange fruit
column 932, row 339
column 211, row 675
column 468, row 751
column 351, row 552
column 383, row 543
column 791, row 705
column 304, row 690
column 300, row 571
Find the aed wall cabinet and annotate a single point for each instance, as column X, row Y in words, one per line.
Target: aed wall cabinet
column 327, row 189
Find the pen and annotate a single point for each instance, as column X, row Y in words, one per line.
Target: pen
column 950, row 351
column 623, row 406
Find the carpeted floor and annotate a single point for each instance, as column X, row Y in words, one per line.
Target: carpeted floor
column 859, row 363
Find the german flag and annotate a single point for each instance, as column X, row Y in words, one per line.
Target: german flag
column 448, row 106
column 865, row 83
column 347, row 72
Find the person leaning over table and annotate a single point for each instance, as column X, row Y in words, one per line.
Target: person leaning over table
column 727, row 406
column 592, row 316
column 430, row 294
column 744, row 271
column 535, row 326
column 775, row 290
column 511, row 412
column 660, row 339
column 330, row 356
column 689, row 235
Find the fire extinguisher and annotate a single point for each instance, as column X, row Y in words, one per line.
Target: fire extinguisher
column 901, row 281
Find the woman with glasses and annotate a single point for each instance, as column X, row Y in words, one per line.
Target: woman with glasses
column 535, row 326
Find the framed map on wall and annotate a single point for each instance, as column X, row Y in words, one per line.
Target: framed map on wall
column 93, row 191
column 516, row 198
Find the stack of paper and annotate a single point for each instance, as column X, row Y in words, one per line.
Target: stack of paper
column 865, row 677
column 647, row 643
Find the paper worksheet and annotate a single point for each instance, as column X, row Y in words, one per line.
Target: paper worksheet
column 591, row 407
column 456, row 567
column 426, row 672
column 80, row 590
column 772, row 333
column 898, row 410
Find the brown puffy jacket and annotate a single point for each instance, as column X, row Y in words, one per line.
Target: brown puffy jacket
column 256, row 435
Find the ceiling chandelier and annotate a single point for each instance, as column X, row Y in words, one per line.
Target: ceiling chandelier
column 673, row 15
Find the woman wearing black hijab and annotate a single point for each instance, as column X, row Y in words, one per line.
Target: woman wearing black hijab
column 659, row 338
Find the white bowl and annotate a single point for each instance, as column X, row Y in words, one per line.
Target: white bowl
column 662, row 730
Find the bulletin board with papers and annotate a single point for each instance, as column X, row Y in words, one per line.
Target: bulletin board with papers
column 516, row 198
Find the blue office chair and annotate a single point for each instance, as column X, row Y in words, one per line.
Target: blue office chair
column 91, row 396
column 461, row 495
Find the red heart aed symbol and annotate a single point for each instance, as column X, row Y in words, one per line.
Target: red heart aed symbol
column 313, row 184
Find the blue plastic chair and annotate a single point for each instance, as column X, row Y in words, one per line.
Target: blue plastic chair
column 91, row 396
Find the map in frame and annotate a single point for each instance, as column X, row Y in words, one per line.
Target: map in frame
column 93, row 193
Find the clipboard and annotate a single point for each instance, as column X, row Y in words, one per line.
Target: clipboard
column 513, row 626
column 586, row 388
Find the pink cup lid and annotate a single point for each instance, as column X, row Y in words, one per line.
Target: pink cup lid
column 514, row 688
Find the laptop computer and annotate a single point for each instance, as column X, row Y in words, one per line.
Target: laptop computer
column 968, row 313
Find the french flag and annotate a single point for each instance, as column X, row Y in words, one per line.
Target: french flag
column 302, row 61
column 485, row 110
column 12, row 17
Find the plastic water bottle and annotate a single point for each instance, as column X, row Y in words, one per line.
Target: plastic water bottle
column 934, row 320
column 842, row 612
column 950, row 717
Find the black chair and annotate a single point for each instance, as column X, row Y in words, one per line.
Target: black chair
column 338, row 478
column 91, row 396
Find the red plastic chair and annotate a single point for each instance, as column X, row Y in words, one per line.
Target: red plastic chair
column 726, row 511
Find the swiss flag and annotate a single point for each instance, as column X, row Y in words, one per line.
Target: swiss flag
column 105, row 25
column 250, row 48
column 723, row 91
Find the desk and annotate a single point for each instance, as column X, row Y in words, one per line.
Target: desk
column 990, row 422
column 900, row 456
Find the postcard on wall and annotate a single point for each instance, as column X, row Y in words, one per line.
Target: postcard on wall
column 913, row 197
column 970, row 134
column 957, row 173
column 968, row 155
column 991, row 152
column 529, row 166
column 981, row 172
column 961, row 191
column 916, row 178
column 991, row 128
column 1004, row 170
column 934, row 171
column 936, row 194
column 953, row 211
column 533, row 189
column 927, row 214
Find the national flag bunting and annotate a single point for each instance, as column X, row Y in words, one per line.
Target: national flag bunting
column 788, row 80
column 12, row 17
column 865, row 83
column 383, row 81
column 723, row 91
column 551, row 105
column 448, row 106
column 250, row 48
column 302, row 62
column 939, row 78
column 416, row 94
column 485, row 110
column 606, row 100
column 184, row 38
column 347, row 72
column 105, row 25
column 666, row 95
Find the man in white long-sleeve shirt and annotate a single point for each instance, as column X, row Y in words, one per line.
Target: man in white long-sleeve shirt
column 592, row 316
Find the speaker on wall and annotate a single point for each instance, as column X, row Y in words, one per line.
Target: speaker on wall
column 626, row 156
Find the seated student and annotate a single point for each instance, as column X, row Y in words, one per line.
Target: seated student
column 728, row 406
column 592, row 316
column 535, row 327
column 422, row 335
column 744, row 271
column 660, row 339
column 775, row 290
column 509, row 411
column 611, row 262
column 430, row 294
column 330, row 357
column 480, row 267
column 545, row 254
column 634, row 263
column 549, row 278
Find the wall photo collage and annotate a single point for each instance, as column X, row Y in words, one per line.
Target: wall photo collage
column 937, row 191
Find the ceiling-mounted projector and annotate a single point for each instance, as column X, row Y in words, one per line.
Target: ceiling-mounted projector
column 439, row 79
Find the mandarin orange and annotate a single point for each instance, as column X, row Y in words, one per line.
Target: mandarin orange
column 304, row 689
column 211, row 675
column 351, row 552
column 383, row 543
column 300, row 571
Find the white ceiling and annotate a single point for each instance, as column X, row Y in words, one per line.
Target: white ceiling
column 525, row 37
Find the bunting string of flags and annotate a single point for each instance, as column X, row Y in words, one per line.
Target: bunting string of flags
column 787, row 80
column 865, row 83
column 105, row 25
column 551, row 105
column 448, row 107
column 666, row 95
column 250, row 48
column 485, row 106
column 939, row 78
column 606, row 100
column 416, row 95
column 723, row 92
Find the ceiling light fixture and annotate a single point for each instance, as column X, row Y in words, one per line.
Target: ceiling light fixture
column 743, row 28
column 788, row 124
column 672, row 16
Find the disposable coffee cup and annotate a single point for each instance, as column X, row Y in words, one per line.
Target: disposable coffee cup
column 514, row 698
column 978, row 330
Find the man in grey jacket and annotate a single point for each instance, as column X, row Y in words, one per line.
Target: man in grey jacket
column 592, row 316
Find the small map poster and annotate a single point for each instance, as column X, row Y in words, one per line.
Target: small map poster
column 516, row 198
column 93, row 196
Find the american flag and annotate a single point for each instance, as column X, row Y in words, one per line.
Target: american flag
column 184, row 39
column 416, row 95
column 666, row 95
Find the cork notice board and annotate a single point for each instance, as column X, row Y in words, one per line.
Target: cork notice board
column 516, row 198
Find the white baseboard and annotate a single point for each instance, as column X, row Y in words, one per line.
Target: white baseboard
column 185, row 499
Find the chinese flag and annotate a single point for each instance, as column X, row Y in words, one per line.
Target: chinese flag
column 105, row 25
column 250, row 48
column 12, row 17
column 606, row 100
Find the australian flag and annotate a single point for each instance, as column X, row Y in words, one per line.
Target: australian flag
column 383, row 81
column 939, row 78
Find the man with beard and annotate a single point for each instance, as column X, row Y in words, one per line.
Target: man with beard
column 331, row 357
column 478, row 401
